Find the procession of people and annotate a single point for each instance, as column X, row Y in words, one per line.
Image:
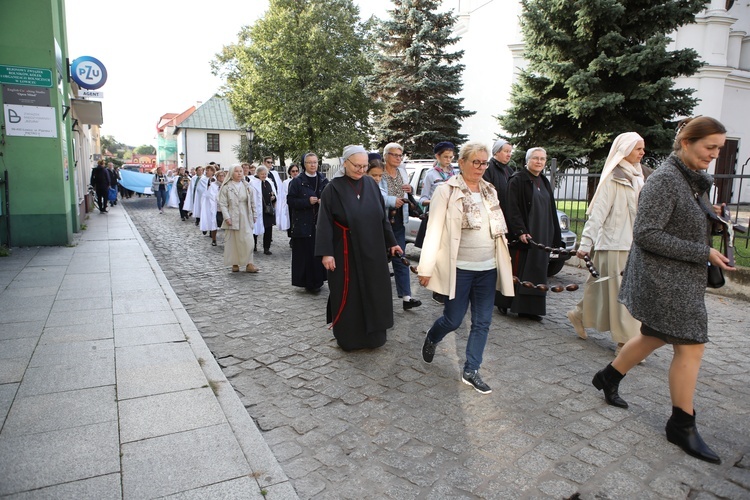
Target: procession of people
column 486, row 243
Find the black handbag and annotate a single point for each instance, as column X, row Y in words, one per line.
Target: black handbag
column 715, row 277
column 268, row 209
column 419, row 240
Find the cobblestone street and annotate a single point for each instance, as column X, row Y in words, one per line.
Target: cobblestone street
column 383, row 424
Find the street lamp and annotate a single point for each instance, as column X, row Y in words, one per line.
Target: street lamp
column 182, row 157
column 249, row 134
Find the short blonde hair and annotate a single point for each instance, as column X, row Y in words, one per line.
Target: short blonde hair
column 471, row 148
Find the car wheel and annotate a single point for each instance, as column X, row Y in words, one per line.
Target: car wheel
column 554, row 267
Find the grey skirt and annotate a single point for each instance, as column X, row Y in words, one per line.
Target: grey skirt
column 669, row 339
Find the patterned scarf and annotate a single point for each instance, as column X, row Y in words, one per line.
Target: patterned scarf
column 472, row 218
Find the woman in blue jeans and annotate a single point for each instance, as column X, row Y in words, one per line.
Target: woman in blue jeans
column 465, row 257
column 159, row 188
column 394, row 186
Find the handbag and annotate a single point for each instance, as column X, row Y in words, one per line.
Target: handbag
column 112, row 194
column 414, row 209
column 419, row 240
column 715, row 277
column 268, row 209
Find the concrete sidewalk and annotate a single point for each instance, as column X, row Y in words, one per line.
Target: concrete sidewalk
column 107, row 390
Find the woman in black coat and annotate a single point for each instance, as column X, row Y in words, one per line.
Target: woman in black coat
column 531, row 214
column 303, row 199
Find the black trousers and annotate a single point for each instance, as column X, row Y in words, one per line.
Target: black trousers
column 182, row 195
column 101, row 198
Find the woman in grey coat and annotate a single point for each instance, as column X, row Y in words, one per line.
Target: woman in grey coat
column 665, row 276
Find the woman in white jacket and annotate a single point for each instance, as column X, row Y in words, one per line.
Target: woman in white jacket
column 210, row 205
column 465, row 257
column 607, row 236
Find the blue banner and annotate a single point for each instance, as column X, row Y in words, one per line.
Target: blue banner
column 136, row 181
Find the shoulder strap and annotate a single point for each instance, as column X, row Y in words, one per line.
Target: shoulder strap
column 701, row 202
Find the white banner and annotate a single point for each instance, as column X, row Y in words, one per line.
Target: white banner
column 30, row 121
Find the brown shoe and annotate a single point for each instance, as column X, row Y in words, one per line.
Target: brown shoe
column 577, row 323
column 250, row 268
column 235, row 269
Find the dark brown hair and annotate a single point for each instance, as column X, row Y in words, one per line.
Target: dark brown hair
column 693, row 129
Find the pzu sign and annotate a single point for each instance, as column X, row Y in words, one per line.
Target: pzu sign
column 88, row 72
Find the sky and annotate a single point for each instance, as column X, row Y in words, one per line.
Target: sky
column 158, row 52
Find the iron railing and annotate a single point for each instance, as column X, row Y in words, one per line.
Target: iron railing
column 574, row 185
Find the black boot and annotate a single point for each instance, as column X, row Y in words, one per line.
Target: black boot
column 681, row 430
column 608, row 380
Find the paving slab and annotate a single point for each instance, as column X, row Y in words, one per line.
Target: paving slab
column 178, row 462
column 105, row 487
column 72, row 353
column 61, row 410
column 76, row 333
column 7, row 394
column 153, row 334
column 94, row 372
column 33, row 461
column 162, row 414
column 145, row 370
column 243, row 488
column 20, row 330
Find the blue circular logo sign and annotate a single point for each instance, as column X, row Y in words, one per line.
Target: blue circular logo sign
column 88, row 72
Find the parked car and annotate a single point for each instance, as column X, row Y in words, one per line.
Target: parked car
column 417, row 169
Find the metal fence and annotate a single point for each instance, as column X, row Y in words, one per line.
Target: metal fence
column 574, row 185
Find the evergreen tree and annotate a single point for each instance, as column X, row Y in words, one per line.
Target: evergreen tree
column 598, row 68
column 297, row 76
column 416, row 79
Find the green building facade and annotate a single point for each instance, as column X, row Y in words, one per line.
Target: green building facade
column 36, row 151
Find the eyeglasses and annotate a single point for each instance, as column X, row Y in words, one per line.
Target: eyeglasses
column 539, row 158
column 480, row 164
column 268, row 161
column 294, row 171
column 396, row 155
column 357, row 167
column 311, row 163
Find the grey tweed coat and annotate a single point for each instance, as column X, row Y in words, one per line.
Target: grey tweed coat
column 665, row 276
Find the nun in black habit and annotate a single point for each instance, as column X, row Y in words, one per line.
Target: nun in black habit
column 354, row 238
column 531, row 214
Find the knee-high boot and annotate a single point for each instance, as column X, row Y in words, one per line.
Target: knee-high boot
column 681, row 430
column 608, row 380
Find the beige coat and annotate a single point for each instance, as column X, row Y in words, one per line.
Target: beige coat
column 443, row 237
column 229, row 204
column 610, row 224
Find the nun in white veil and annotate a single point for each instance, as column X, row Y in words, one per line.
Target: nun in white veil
column 607, row 237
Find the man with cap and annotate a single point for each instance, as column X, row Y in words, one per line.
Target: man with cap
column 498, row 172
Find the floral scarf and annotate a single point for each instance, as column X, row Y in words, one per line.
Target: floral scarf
column 472, row 218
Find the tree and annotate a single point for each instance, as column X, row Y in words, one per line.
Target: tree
column 598, row 68
column 416, row 79
column 109, row 143
column 296, row 76
column 145, row 149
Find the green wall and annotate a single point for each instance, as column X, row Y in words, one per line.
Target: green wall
column 42, row 198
